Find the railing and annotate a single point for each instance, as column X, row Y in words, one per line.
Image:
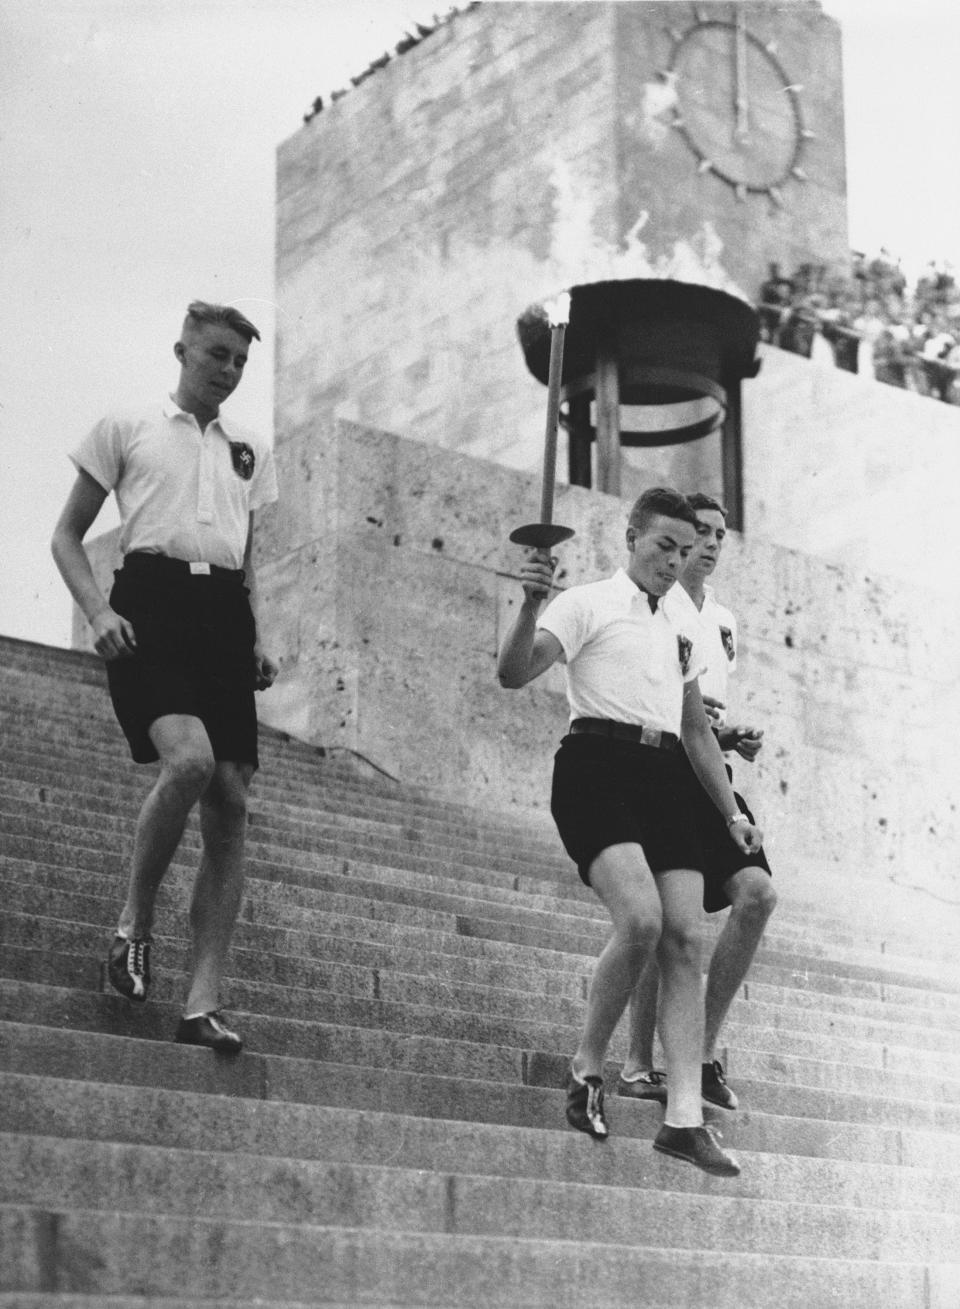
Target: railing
column 798, row 329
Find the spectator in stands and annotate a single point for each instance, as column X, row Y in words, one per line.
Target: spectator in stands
column 732, row 878
column 180, row 639
column 871, row 320
column 622, row 796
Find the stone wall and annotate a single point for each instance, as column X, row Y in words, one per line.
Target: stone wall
column 521, row 148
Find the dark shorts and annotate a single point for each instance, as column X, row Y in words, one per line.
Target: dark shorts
column 723, row 856
column 608, row 792
column 195, row 638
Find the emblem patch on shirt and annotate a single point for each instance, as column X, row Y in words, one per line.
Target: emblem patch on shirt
column 244, row 460
column 726, row 636
column 684, row 649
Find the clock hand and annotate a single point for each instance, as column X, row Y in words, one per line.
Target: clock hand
column 742, row 132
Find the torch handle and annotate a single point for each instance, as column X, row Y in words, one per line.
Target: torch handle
column 557, row 334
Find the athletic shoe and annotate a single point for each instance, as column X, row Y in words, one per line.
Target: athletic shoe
column 699, row 1146
column 713, row 1086
column 128, row 966
column 585, row 1106
column 651, row 1084
column 210, row 1030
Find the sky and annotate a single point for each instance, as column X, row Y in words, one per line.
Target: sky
column 120, row 120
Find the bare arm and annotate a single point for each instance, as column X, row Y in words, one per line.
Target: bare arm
column 266, row 669
column 114, row 636
column 526, row 653
column 706, row 760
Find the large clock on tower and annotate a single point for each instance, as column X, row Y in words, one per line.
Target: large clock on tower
column 738, row 109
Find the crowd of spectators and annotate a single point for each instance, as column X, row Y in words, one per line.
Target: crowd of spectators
column 868, row 320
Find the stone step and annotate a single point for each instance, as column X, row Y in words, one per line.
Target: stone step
column 383, row 880
column 289, row 909
column 360, row 996
column 116, row 833
column 372, row 1033
column 55, row 1174
column 95, row 764
column 101, row 806
column 185, row 1120
column 380, row 970
column 65, row 953
column 131, row 1061
column 211, row 1257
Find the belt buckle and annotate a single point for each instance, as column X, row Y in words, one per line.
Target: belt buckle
column 650, row 736
column 200, row 569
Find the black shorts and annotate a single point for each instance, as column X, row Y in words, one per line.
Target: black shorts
column 724, row 857
column 195, row 638
column 609, row 792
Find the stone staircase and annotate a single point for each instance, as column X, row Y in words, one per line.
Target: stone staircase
column 409, row 977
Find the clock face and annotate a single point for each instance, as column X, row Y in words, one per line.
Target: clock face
column 736, row 107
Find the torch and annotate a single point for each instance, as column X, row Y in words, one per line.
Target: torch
column 546, row 534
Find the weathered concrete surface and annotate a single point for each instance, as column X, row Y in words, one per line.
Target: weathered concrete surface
column 522, row 148
column 853, row 471
column 387, row 583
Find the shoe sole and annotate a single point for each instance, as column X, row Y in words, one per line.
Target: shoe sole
column 717, row 1170
column 655, row 1093
column 731, row 1104
column 225, row 1048
column 127, row 995
column 588, row 1131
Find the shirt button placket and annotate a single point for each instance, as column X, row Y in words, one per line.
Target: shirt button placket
column 205, row 481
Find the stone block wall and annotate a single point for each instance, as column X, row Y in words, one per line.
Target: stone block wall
column 387, row 584
column 390, row 610
column 519, row 149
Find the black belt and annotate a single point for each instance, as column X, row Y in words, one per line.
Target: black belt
column 625, row 732
column 146, row 561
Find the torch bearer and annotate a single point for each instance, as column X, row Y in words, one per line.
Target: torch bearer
column 546, row 534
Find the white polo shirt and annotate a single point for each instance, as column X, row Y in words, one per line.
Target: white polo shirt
column 719, row 629
column 181, row 492
column 623, row 661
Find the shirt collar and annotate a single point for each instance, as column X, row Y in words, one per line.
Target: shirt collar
column 628, row 589
column 172, row 410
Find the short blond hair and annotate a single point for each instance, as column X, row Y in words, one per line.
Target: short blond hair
column 200, row 311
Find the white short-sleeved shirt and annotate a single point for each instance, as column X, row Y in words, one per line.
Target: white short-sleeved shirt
column 719, row 629
column 181, row 492
column 623, row 661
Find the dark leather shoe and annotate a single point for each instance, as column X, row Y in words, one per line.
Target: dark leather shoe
column 585, row 1106
column 210, row 1030
column 713, row 1086
column 699, row 1146
column 128, row 966
column 648, row 1085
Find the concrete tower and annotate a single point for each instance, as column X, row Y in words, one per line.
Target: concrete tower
column 524, row 147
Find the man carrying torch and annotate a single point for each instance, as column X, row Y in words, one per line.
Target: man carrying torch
column 621, row 798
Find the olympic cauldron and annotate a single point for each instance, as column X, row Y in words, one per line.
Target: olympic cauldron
column 648, row 362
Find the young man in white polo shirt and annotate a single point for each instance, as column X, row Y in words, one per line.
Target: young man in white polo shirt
column 732, row 879
column 179, row 637
column 621, row 794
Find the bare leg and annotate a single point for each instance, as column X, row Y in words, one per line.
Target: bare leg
column 643, row 1020
column 623, row 883
column 753, row 900
column 186, row 766
column 681, row 994
column 218, row 890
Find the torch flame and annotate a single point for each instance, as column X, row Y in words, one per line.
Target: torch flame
column 558, row 309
